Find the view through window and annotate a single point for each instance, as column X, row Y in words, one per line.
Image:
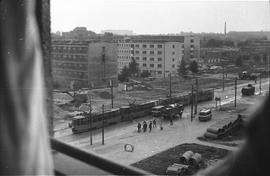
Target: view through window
column 164, row 86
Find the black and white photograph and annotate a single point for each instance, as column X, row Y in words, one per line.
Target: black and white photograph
column 135, row 87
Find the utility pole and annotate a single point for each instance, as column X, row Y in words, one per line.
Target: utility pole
column 103, row 124
column 235, row 92
column 196, row 96
column 103, row 61
column 191, row 113
column 170, row 87
column 260, row 83
column 90, row 120
column 111, row 85
column 223, row 78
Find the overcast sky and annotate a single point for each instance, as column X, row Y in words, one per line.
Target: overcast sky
column 160, row 16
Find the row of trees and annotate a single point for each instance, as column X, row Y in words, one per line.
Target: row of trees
column 133, row 70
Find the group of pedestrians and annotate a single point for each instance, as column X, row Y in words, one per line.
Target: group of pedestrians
column 143, row 126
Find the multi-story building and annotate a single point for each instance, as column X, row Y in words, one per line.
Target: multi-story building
column 125, row 53
column 158, row 54
column 77, row 64
column 192, row 48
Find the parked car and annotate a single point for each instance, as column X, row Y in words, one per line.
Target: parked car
column 205, row 114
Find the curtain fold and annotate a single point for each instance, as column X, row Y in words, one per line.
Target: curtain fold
column 24, row 142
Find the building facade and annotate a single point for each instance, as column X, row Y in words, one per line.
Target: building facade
column 78, row 64
column 157, row 54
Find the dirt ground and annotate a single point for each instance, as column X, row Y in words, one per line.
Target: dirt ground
column 160, row 89
column 158, row 163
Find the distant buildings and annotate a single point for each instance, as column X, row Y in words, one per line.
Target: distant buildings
column 248, row 35
column 118, row 32
column 257, row 50
column 220, row 55
column 78, row 33
column 77, row 64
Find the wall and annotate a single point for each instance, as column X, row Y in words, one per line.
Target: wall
column 99, row 72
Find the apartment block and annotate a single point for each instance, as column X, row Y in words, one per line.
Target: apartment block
column 158, row 54
column 125, row 53
column 79, row 64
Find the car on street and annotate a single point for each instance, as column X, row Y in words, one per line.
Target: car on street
column 205, row 114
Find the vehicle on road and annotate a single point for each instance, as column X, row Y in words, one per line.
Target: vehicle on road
column 205, row 114
column 157, row 111
column 172, row 111
column 245, row 75
column 248, row 90
column 81, row 123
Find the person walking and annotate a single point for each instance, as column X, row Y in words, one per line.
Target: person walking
column 154, row 123
column 150, row 126
column 139, row 127
column 144, row 126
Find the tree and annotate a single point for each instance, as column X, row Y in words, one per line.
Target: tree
column 123, row 76
column 133, row 67
column 182, row 70
column 193, row 67
column 239, row 61
column 145, row 73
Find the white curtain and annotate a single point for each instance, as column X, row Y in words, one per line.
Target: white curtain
column 24, row 142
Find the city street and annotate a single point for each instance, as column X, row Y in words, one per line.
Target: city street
column 147, row 144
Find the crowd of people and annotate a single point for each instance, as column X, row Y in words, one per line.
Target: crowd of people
column 143, row 127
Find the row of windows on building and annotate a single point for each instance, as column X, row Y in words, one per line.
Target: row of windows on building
column 148, row 46
column 124, row 45
column 140, row 45
column 70, row 74
column 153, row 71
column 75, row 57
column 123, row 63
column 124, row 57
column 213, row 60
column 76, row 66
column 150, row 59
column 153, row 65
column 70, row 48
column 148, row 52
column 124, row 51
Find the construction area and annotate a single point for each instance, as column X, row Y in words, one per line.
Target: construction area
column 159, row 151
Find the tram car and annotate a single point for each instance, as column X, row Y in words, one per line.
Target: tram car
column 82, row 123
column 136, row 111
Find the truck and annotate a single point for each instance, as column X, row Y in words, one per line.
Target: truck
column 248, row 90
column 169, row 111
column 245, row 75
